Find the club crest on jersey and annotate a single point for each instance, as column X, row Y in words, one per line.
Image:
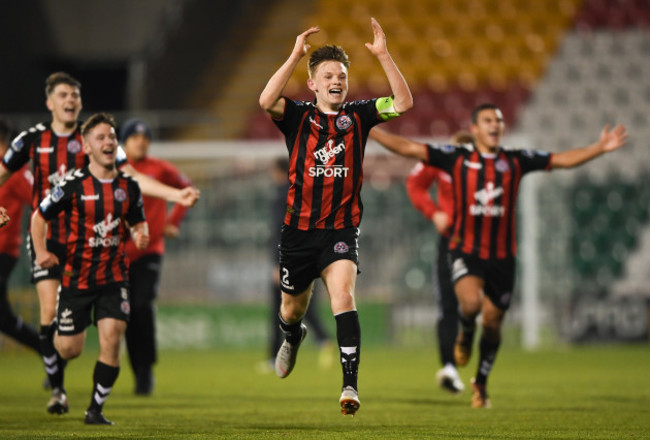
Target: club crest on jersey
column 343, row 122
column 74, row 146
column 502, row 166
column 120, row 195
column 125, row 307
column 341, row 247
column 56, row 194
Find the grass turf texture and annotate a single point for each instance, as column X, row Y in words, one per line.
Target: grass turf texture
column 595, row 392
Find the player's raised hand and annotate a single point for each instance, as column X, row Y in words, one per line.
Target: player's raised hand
column 614, row 139
column 4, row 217
column 188, row 196
column 378, row 45
column 301, row 47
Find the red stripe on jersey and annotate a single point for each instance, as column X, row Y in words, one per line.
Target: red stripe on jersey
column 110, row 268
column 486, row 224
column 470, row 191
column 41, row 169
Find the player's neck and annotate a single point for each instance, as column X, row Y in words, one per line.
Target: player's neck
column 62, row 127
column 327, row 109
column 484, row 149
column 101, row 172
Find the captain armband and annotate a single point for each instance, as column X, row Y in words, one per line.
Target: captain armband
column 386, row 108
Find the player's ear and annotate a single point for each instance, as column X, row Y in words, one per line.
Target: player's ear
column 85, row 146
column 48, row 104
column 312, row 85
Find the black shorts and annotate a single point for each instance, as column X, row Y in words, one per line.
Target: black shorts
column 497, row 274
column 77, row 309
column 39, row 273
column 305, row 254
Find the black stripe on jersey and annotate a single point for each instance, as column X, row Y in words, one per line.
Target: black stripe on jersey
column 303, row 135
column 510, row 234
column 494, row 227
column 77, row 256
column 117, row 213
column 317, row 191
column 356, row 178
column 339, row 184
column 52, row 165
column 478, row 219
column 100, row 215
column 462, row 180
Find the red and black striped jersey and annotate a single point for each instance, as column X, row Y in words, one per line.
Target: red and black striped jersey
column 485, row 188
column 325, row 162
column 53, row 158
column 98, row 216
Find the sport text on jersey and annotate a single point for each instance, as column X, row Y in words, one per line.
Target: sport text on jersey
column 483, row 198
column 103, row 228
column 324, row 155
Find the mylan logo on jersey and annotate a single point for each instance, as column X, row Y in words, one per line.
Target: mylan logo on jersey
column 324, row 155
column 483, row 197
column 103, row 228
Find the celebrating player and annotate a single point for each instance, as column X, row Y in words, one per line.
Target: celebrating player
column 482, row 247
column 102, row 206
column 441, row 214
column 326, row 142
column 55, row 149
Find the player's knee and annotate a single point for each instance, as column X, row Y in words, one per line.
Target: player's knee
column 68, row 352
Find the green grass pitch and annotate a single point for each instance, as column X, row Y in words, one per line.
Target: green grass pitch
column 593, row 392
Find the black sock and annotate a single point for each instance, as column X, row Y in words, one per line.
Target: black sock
column 292, row 332
column 54, row 364
column 468, row 326
column 104, row 378
column 487, row 356
column 447, row 327
column 348, row 335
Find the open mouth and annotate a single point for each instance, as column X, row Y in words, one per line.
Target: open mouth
column 70, row 111
column 337, row 92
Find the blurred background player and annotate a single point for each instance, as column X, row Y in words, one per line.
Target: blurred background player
column 146, row 264
column 55, row 150
column 441, row 214
column 326, row 141
column 105, row 207
column 278, row 210
column 16, row 195
column 485, row 182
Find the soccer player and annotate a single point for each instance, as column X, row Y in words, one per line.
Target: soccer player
column 326, row 141
column 145, row 264
column 16, row 194
column 55, row 151
column 102, row 206
column 482, row 247
column 441, row 214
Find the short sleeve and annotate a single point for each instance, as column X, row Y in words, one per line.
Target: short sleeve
column 443, row 156
column 59, row 199
column 135, row 213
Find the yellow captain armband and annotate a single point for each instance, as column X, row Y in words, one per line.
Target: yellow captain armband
column 386, row 108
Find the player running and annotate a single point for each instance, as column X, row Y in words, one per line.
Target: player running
column 326, row 141
column 485, row 178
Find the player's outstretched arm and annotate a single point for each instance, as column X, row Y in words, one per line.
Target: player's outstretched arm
column 399, row 144
column 151, row 187
column 140, row 235
column 403, row 99
column 609, row 141
column 44, row 258
column 4, row 217
column 271, row 99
